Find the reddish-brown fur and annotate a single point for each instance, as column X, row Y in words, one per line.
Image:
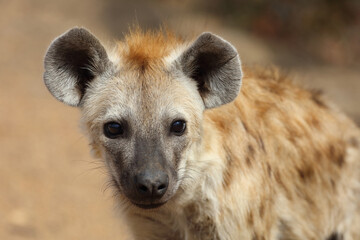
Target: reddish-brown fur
column 145, row 50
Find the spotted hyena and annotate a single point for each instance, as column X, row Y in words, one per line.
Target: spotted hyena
column 193, row 157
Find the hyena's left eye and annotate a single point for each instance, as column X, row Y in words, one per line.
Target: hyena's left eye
column 113, row 130
column 178, row 127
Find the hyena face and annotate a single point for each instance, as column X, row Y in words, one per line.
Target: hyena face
column 143, row 111
column 144, row 127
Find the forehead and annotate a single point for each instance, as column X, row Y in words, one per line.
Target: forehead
column 142, row 98
column 142, row 94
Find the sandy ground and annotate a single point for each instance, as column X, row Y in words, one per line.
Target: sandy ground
column 50, row 187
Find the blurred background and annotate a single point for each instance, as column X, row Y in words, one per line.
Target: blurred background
column 50, row 187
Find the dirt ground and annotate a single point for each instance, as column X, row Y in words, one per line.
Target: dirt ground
column 50, row 186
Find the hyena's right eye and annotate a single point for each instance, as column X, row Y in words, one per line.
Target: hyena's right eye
column 113, row 130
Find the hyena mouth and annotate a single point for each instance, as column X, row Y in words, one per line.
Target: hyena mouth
column 149, row 206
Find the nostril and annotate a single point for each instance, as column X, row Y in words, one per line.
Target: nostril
column 161, row 187
column 143, row 188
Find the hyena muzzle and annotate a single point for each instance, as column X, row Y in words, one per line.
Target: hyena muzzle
column 191, row 157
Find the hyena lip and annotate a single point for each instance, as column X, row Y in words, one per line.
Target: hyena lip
column 149, row 206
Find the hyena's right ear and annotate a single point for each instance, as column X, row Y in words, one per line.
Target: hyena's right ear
column 72, row 61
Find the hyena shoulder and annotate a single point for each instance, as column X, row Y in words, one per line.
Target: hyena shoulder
column 286, row 151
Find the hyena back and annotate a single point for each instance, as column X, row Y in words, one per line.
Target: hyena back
column 191, row 157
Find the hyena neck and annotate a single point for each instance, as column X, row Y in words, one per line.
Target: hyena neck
column 198, row 204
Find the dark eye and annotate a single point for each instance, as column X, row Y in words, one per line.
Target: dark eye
column 113, row 130
column 178, row 127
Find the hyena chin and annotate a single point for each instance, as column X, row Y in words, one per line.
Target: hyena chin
column 191, row 157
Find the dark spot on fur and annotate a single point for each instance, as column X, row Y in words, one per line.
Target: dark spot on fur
column 232, row 164
column 228, row 172
column 335, row 236
column 251, row 150
column 305, row 173
column 301, row 174
column 337, row 153
column 340, row 160
column 332, row 150
column 354, row 142
column 315, row 122
column 248, row 162
column 278, row 178
column 255, row 237
column 143, row 66
column 316, row 96
column 261, row 210
column 250, row 219
column 221, row 125
column 269, row 170
column 332, row 182
column 245, row 127
column 262, row 145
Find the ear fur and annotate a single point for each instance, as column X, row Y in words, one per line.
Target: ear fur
column 71, row 62
column 215, row 66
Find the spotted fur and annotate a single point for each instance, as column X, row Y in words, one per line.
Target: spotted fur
column 277, row 162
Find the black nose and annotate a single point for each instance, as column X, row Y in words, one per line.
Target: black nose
column 151, row 184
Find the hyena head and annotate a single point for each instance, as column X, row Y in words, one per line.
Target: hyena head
column 142, row 105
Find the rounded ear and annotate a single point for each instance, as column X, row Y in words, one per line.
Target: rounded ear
column 215, row 66
column 72, row 61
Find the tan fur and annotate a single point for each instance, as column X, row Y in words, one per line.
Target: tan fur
column 295, row 151
column 278, row 163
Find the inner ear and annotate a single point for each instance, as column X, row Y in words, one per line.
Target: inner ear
column 214, row 65
column 79, row 63
column 205, row 64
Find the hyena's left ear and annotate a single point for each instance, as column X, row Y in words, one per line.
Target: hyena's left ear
column 215, row 66
column 72, row 61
